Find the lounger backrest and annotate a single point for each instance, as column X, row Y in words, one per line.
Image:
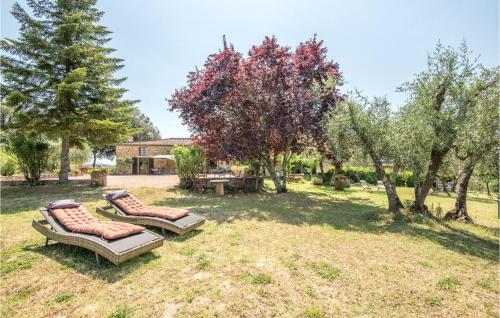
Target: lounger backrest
column 73, row 217
column 129, row 203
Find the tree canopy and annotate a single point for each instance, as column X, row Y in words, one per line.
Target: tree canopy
column 440, row 100
column 259, row 107
column 146, row 130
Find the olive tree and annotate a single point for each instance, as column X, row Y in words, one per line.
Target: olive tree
column 440, row 99
column 475, row 138
column 376, row 131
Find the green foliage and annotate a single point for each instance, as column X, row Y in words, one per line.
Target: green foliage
column 341, row 141
column 189, row 161
column 355, row 174
column 261, row 279
column 77, row 156
column 314, row 312
column 148, row 131
column 487, row 169
column 8, row 164
column 317, row 181
column 434, row 300
column 99, row 170
column 63, row 297
column 325, row 270
column 59, row 77
column 449, row 283
column 15, row 259
column 187, row 251
column 32, row 155
column 203, row 262
column 121, row 312
column 305, row 163
column 442, row 111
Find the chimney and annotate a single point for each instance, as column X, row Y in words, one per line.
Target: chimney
column 130, row 139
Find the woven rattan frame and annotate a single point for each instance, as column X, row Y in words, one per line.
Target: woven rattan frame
column 43, row 227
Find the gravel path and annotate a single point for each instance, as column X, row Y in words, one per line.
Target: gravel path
column 151, row 181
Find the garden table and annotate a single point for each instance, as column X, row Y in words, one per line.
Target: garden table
column 219, row 185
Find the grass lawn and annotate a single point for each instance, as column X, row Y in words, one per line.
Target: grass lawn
column 312, row 252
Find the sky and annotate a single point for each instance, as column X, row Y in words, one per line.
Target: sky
column 378, row 44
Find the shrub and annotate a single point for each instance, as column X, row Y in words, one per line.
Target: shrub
column 189, row 162
column 403, row 178
column 317, row 181
column 32, row 155
column 8, row 164
column 99, row 170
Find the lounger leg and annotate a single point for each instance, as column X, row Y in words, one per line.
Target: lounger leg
column 163, row 231
column 98, row 259
column 46, row 241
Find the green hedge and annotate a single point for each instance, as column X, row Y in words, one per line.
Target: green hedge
column 404, row 178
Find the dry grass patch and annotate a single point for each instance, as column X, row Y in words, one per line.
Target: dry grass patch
column 312, row 252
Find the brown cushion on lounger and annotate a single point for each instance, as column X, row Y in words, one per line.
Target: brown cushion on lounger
column 131, row 205
column 78, row 219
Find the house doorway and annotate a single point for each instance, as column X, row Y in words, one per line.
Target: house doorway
column 143, row 165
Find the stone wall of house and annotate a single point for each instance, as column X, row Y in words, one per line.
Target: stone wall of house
column 129, row 151
column 124, row 154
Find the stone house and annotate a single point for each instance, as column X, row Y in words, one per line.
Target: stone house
column 147, row 157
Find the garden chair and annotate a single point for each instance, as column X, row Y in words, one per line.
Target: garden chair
column 68, row 222
column 236, row 184
column 365, row 185
column 198, row 185
column 127, row 208
column 380, row 185
column 450, row 186
column 440, row 185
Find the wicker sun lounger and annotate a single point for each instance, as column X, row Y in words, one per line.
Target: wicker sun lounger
column 180, row 226
column 116, row 251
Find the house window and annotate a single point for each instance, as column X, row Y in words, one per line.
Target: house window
column 142, row 151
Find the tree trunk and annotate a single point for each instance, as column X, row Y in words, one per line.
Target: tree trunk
column 421, row 195
column 256, row 168
column 390, row 189
column 94, row 154
column 395, row 203
column 65, row 164
column 459, row 212
column 322, row 170
column 488, row 188
column 274, row 176
column 338, row 167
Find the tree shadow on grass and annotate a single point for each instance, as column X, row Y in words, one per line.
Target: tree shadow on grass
column 470, row 197
column 25, row 198
column 84, row 261
column 318, row 208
